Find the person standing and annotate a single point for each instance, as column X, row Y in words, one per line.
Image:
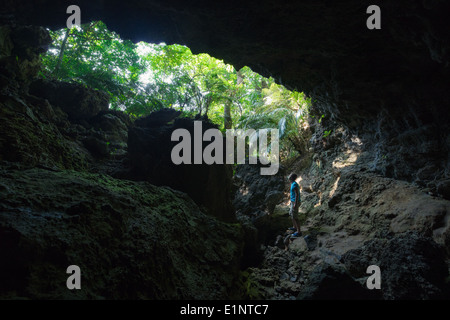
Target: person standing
column 295, row 204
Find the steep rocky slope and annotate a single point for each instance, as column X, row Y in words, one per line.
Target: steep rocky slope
column 131, row 240
column 353, row 217
column 69, row 195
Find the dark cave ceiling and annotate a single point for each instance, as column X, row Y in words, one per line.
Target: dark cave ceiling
column 321, row 47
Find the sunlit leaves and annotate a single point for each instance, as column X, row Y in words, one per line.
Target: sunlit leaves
column 98, row 58
column 141, row 78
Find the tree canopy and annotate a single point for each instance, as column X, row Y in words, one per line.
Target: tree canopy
column 141, row 78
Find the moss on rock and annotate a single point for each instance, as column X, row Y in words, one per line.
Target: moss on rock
column 130, row 239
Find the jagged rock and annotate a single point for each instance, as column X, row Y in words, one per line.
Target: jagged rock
column 108, row 135
column 150, row 147
column 387, row 90
column 361, row 72
column 79, row 102
column 334, row 200
column 298, row 245
column 412, row 266
column 333, row 282
column 20, row 47
column 29, row 136
column 257, row 193
column 132, row 240
column 29, row 41
column 277, row 277
column 443, row 188
column 272, row 199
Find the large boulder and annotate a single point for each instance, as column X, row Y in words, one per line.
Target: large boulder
column 106, row 134
column 150, row 147
column 412, row 266
column 78, row 101
column 257, row 194
column 20, row 49
column 33, row 134
column 333, row 282
column 131, row 240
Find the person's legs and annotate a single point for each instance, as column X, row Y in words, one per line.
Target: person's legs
column 294, row 217
column 291, row 214
column 296, row 225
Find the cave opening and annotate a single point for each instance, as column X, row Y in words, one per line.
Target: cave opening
column 373, row 146
column 141, row 78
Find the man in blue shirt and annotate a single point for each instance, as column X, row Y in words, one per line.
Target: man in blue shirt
column 295, row 203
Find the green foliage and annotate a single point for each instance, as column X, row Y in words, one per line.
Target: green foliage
column 98, row 58
column 188, row 82
column 282, row 109
column 141, row 78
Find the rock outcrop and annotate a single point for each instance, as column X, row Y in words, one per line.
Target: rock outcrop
column 257, row 195
column 67, row 198
column 79, row 102
column 131, row 240
column 150, row 148
column 414, row 266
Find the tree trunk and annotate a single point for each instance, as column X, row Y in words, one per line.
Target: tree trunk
column 227, row 121
column 61, row 53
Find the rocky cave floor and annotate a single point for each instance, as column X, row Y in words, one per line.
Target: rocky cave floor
column 371, row 221
column 285, row 269
column 316, row 265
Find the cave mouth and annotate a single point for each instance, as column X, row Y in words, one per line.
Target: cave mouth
column 141, row 78
column 399, row 139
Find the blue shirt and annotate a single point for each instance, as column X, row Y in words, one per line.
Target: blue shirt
column 293, row 186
